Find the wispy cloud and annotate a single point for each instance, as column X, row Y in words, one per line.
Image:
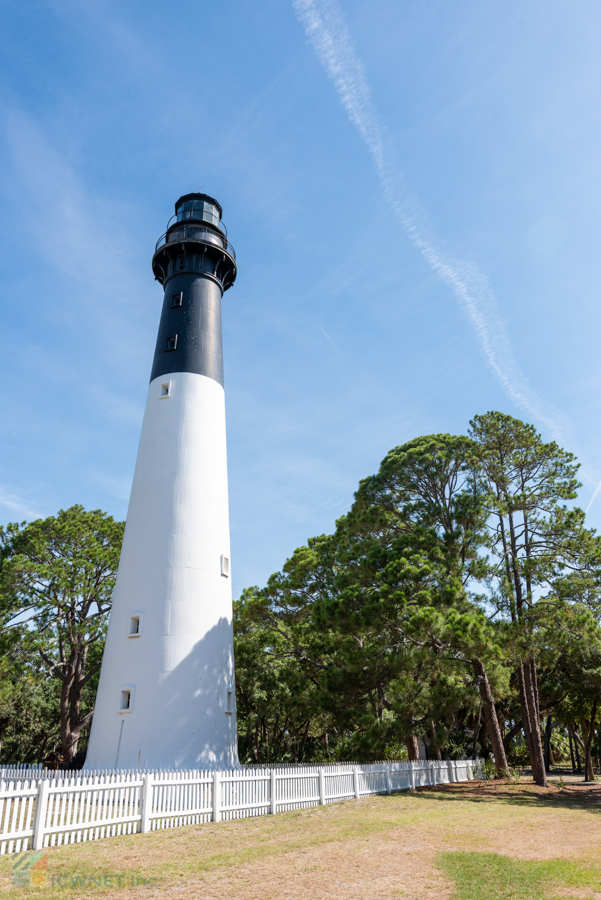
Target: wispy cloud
column 329, row 34
column 81, row 235
column 117, row 485
column 18, row 505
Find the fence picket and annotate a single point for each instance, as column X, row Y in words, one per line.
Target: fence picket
column 40, row 815
column 41, row 808
column 216, row 796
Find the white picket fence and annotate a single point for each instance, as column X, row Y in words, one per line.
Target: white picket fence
column 42, row 808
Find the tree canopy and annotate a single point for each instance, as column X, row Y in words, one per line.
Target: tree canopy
column 56, row 582
column 449, row 606
column 454, row 610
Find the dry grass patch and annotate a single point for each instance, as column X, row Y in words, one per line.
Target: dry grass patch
column 379, row 847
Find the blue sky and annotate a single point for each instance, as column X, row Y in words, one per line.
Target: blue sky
column 413, row 190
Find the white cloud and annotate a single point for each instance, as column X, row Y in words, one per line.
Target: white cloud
column 81, row 235
column 18, row 505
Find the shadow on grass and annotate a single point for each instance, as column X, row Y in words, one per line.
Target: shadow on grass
column 580, row 795
column 487, row 876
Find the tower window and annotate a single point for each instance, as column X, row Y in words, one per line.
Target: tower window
column 165, row 390
column 136, row 620
column 171, row 343
column 180, row 262
column 225, row 566
column 126, row 698
column 230, row 703
column 177, row 299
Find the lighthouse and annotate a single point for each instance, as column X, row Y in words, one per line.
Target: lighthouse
column 166, row 697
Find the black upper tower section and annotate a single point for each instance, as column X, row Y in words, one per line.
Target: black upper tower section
column 195, row 263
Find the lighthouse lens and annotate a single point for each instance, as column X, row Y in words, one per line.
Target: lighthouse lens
column 198, row 209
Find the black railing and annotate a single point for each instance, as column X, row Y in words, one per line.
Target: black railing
column 187, row 215
column 196, row 233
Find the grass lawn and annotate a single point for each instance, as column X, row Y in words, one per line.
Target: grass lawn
column 469, row 841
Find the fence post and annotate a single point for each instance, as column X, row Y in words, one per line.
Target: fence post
column 412, row 776
column 146, row 803
column 216, row 796
column 322, row 787
column 41, row 807
column 388, row 784
column 274, row 801
column 356, row 782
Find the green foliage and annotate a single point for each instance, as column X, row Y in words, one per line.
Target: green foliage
column 56, row 581
column 276, row 698
column 459, row 565
column 525, row 482
column 488, row 769
column 29, row 706
column 374, row 625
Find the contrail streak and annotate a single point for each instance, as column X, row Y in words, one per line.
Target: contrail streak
column 592, row 500
column 333, row 344
column 329, row 34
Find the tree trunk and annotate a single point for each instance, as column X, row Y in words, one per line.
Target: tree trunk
column 577, row 741
column 534, row 677
column 588, row 732
column 249, row 741
column 548, row 731
column 530, row 715
column 73, row 679
column 435, row 748
column 412, row 748
column 69, row 710
column 571, row 748
column 511, row 734
column 525, row 711
column 476, row 732
column 304, row 742
column 490, row 714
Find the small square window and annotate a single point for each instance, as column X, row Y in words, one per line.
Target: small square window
column 134, row 627
column 225, row 566
column 165, row 390
column 177, row 299
column 171, row 343
column 126, row 698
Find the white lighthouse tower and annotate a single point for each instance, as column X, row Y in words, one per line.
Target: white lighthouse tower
column 166, row 697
